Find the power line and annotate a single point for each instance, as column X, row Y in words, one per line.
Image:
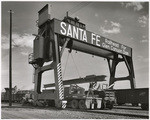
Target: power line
column 15, row 45
column 75, row 9
column 66, row 65
column 81, row 7
column 75, row 65
column 70, row 10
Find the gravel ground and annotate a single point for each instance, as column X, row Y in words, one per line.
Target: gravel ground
column 19, row 112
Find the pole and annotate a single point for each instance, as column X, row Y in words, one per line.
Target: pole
column 10, row 62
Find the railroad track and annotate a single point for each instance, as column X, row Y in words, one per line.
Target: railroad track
column 116, row 112
column 121, row 111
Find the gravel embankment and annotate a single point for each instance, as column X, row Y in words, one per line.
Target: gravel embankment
column 19, row 112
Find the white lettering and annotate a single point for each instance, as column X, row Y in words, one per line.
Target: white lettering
column 62, row 24
column 69, row 32
column 80, row 33
column 93, row 38
column 116, row 49
column 75, row 32
column 123, row 47
column 97, row 40
column 125, row 52
column 84, row 36
column 112, row 43
column 105, row 46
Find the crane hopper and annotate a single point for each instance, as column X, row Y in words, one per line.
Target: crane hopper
column 87, row 79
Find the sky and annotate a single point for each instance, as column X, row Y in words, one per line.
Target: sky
column 123, row 22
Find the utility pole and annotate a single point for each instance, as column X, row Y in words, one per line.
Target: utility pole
column 10, row 61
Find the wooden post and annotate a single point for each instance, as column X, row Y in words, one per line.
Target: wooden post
column 10, row 61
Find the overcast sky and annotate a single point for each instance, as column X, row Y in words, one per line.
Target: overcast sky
column 126, row 23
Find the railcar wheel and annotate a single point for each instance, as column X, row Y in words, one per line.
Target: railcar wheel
column 110, row 106
column 144, row 106
column 134, row 104
column 120, row 104
column 74, row 104
column 82, row 104
column 102, row 106
column 23, row 101
column 51, row 103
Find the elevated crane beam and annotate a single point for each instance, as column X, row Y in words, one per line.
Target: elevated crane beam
column 91, row 78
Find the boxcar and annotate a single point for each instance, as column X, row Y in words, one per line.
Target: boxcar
column 133, row 96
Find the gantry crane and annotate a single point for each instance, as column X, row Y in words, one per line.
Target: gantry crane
column 71, row 33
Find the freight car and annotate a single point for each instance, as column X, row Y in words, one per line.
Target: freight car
column 17, row 95
column 134, row 96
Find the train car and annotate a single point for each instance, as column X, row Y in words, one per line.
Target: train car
column 17, row 95
column 5, row 95
column 134, row 96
